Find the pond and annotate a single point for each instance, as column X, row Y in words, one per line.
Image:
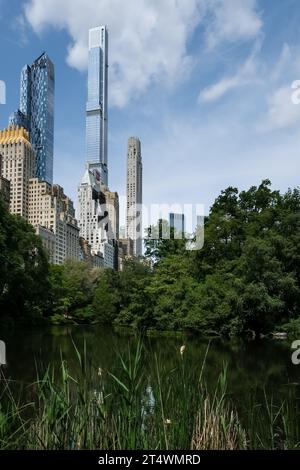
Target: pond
column 258, row 371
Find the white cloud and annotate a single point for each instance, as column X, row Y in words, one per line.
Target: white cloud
column 282, row 112
column 148, row 38
column 220, row 88
column 246, row 74
column 283, row 64
column 233, row 20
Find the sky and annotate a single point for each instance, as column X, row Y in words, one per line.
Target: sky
column 205, row 84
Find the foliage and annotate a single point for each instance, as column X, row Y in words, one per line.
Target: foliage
column 245, row 278
column 73, row 286
column 24, row 271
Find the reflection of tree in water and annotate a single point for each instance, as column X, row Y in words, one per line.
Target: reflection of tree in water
column 252, row 365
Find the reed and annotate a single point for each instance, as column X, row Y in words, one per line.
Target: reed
column 126, row 409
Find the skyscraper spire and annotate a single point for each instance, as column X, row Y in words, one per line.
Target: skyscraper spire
column 96, row 108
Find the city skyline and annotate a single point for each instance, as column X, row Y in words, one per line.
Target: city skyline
column 243, row 73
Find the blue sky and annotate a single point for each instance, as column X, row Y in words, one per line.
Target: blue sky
column 205, row 84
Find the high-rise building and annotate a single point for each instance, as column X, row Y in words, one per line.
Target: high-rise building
column 98, row 207
column 36, row 112
column 18, row 164
column 134, row 228
column 93, row 217
column 97, row 101
column 51, row 209
column 176, row 222
column 112, row 208
column 49, row 242
column 4, row 187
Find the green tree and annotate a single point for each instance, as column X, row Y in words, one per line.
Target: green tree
column 24, row 269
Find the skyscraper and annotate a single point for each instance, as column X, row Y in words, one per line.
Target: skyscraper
column 93, row 216
column 96, row 107
column 36, row 112
column 52, row 212
column 134, row 194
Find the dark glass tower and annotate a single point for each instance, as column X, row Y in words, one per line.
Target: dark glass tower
column 36, row 112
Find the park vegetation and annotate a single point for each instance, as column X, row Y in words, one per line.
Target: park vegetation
column 91, row 408
column 245, row 279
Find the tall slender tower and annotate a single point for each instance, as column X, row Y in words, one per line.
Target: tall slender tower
column 36, row 112
column 134, row 195
column 96, row 108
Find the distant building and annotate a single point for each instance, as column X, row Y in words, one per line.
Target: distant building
column 97, row 101
column 18, row 166
column 134, row 195
column 109, row 255
column 91, row 210
column 93, row 216
column 98, row 207
column 112, row 207
column 4, row 187
column 36, row 112
column 51, row 209
column 94, row 261
column 122, row 231
column 126, row 251
column 97, row 261
column 48, row 240
column 176, row 221
column 85, row 251
column 127, row 247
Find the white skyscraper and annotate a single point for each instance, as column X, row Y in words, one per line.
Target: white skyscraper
column 134, row 195
column 93, row 216
column 96, row 107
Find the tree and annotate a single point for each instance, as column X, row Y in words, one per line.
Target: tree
column 162, row 240
column 106, row 299
column 24, row 273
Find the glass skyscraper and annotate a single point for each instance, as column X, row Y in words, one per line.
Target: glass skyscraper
column 96, row 108
column 36, row 112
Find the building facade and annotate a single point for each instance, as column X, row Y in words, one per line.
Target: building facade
column 134, row 228
column 4, row 187
column 51, row 209
column 112, row 208
column 94, row 261
column 97, row 101
column 18, row 166
column 36, row 112
column 93, row 216
column 49, row 241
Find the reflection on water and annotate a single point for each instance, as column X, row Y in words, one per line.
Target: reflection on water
column 254, row 365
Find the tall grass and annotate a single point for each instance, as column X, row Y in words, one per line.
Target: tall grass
column 127, row 409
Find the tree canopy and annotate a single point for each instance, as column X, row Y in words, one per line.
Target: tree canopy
column 245, row 278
